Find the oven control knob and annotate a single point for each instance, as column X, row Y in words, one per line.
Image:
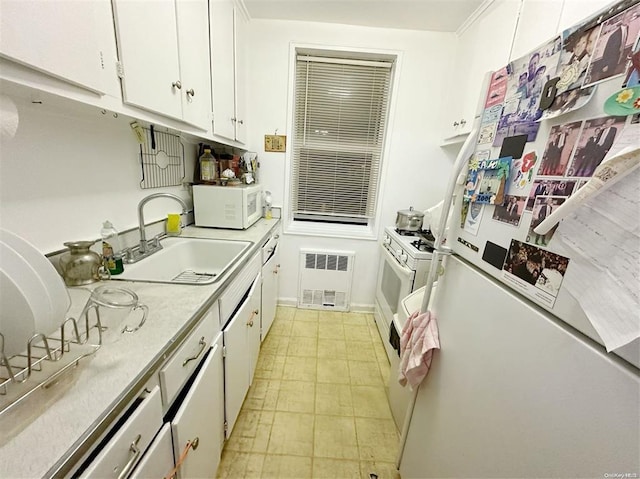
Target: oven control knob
column 386, row 240
column 404, row 257
column 398, row 253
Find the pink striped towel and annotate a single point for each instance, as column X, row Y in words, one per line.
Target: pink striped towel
column 418, row 340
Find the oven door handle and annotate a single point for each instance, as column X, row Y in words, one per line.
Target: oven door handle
column 397, row 267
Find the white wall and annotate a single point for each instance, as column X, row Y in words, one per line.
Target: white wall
column 68, row 169
column 416, row 166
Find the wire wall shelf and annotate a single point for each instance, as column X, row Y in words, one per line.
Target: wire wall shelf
column 161, row 159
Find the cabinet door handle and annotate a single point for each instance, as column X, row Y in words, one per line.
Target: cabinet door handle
column 177, row 84
column 183, row 456
column 275, row 271
column 191, row 93
column 203, row 344
column 253, row 313
column 241, row 122
column 233, row 120
column 463, row 122
column 455, row 123
column 134, row 452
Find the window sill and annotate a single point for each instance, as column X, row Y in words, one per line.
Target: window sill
column 304, row 228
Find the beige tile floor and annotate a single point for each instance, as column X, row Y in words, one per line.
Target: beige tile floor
column 318, row 406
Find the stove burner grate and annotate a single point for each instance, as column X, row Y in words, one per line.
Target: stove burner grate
column 406, row 232
column 422, row 245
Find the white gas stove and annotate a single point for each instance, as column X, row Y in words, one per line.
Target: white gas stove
column 408, row 247
column 405, row 262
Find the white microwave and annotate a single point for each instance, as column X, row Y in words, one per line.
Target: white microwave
column 235, row 207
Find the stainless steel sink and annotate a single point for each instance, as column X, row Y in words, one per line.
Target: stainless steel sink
column 186, row 261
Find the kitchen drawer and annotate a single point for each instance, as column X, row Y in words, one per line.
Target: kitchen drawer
column 269, row 248
column 234, row 293
column 118, row 456
column 179, row 367
column 158, row 460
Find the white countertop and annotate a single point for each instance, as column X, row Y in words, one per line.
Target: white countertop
column 45, row 427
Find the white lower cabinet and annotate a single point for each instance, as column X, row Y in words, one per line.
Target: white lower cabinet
column 270, row 271
column 121, row 453
column 158, row 460
column 199, row 420
column 242, row 345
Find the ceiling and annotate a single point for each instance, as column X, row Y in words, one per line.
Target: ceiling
column 434, row 15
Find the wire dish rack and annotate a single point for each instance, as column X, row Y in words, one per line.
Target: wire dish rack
column 48, row 357
column 161, row 159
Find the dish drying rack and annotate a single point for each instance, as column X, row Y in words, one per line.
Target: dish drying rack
column 47, row 358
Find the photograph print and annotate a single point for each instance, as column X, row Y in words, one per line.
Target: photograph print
column 549, row 187
column 577, row 47
column 596, row 139
column 568, row 101
column 511, row 210
column 614, row 45
column 540, row 272
column 632, row 77
column 557, row 153
column 543, row 207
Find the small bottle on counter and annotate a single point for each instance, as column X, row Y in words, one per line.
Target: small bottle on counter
column 111, row 255
column 268, row 214
column 208, row 168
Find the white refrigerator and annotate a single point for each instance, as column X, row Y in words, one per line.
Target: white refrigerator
column 522, row 386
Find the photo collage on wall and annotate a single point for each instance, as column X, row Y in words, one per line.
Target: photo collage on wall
column 526, row 78
column 542, row 176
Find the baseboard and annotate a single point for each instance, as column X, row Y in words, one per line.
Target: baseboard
column 355, row 308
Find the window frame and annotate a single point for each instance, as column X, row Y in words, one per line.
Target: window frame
column 335, row 230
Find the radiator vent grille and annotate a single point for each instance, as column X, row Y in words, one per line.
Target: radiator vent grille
column 331, row 262
column 325, row 280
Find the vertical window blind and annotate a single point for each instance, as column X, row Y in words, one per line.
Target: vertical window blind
column 341, row 108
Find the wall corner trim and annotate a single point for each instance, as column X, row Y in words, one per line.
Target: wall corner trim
column 474, row 16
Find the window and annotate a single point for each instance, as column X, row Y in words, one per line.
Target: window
column 341, row 107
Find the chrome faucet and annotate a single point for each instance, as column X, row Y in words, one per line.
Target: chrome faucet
column 145, row 249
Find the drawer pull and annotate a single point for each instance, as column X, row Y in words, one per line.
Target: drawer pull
column 190, row 445
column 203, row 344
column 135, row 454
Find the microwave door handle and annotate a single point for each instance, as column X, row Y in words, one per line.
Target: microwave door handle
column 397, row 267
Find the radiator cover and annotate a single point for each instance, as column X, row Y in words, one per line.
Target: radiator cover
column 325, row 279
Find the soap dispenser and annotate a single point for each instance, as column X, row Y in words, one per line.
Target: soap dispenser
column 111, row 254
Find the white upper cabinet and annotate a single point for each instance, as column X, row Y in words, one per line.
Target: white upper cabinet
column 59, row 38
column 483, row 46
column 575, row 11
column 193, row 41
column 241, row 25
column 228, row 27
column 532, row 34
column 541, row 20
column 148, row 52
column 163, row 50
